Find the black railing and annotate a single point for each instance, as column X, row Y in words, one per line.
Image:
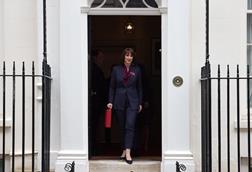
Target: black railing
column 226, row 91
column 206, row 119
column 10, row 86
column 180, row 167
column 46, row 106
column 69, row 167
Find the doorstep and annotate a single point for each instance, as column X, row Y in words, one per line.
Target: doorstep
column 139, row 165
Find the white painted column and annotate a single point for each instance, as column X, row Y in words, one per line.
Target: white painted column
column 175, row 100
column 74, row 87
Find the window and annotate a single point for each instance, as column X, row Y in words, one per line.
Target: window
column 249, row 32
column 249, row 41
column 124, row 3
column 249, row 5
column 249, row 38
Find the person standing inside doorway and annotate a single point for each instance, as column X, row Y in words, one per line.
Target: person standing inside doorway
column 125, row 97
column 98, row 97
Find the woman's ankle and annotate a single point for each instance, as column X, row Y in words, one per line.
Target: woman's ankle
column 127, row 154
column 123, row 153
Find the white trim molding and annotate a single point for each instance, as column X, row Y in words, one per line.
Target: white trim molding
column 80, row 159
column 170, row 159
column 178, row 155
column 124, row 11
column 70, row 154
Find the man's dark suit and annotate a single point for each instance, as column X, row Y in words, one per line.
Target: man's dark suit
column 126, row 96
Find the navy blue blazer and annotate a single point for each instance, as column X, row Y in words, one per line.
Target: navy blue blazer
column 128, row 94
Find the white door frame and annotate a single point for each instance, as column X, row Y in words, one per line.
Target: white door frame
column 175, row 33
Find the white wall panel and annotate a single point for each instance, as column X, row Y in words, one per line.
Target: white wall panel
column 1, row 29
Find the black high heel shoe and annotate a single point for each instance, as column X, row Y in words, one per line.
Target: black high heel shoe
column 128, row 161
column 122, row 158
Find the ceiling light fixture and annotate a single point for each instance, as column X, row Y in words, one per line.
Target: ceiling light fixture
column 129, row 27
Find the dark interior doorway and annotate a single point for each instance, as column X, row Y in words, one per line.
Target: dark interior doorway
column 109, row 35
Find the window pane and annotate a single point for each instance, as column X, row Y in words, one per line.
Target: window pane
column 96, row 3
column 136, row 4
column 151, row 3
column 249, row 4
column 249, row 56
column 249, row 28
column 112, row 4
column 129, row 4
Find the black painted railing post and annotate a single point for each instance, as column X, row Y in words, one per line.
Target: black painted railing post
column 248, row 117
column 206, row 118
column 238, row 119
column 177, row 166
column 23, row 117
column 219, row 119
column 228, row 119
column 46, row 106
column 33, row 117
column 73, row 166
column 13, row 116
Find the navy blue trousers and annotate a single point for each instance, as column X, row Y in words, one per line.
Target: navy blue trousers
column 127, row 120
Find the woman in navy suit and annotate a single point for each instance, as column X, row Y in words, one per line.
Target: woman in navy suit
column 125, row 97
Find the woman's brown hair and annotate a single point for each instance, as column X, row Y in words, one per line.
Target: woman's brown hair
column 128, row 51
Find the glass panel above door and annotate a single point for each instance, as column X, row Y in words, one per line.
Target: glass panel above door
column 124, row 3
column 112, row 4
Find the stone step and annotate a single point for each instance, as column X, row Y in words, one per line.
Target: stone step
column 138, row 165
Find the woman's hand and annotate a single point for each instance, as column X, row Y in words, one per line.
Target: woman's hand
column 110, row 105
column 140, row 108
